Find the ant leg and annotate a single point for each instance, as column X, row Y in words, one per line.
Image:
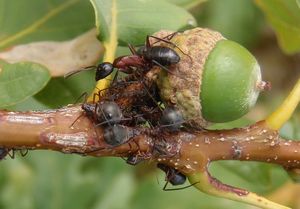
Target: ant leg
column 96, row 95
column 67, row 75
column 171, row 43
column 115, row 77
column 23, row 152
column 11, row 153
column 132, row 49
column 180, row 188
column 76, row 120
column 168, row 37
column 84, row 94
column 166, row 69
column 165, row 186
column 153, row 99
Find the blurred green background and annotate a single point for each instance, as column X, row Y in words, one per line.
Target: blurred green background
column 51, row 180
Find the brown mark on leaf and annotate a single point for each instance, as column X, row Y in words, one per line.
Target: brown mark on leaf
column 59, row 57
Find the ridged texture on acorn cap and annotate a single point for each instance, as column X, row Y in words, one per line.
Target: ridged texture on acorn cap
column 182, row 88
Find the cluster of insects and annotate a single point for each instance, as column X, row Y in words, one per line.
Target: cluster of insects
column 145, row 109
column 4, row 152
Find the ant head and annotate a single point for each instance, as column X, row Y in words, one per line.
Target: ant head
column 115, row 135
column 109, row 112
column 103, row 70
column 171, row 118
column 89, row 109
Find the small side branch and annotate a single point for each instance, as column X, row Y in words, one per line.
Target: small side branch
column 208, row 184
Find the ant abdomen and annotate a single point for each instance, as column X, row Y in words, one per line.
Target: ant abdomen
column 108, row 113
column 172, row 175
column 171, row 119
column 163, row 55
column 115, row 135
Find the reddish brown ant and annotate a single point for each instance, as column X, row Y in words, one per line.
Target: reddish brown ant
column 145, row 58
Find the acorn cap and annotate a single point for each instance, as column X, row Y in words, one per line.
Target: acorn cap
column 215, row 80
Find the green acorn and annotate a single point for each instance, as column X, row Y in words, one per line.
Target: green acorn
column 216, row 80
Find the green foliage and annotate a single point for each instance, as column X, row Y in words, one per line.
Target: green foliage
column 284, row 16
column 35, row 20
column 242, row 24
column 51, row 180
column 26, row 22
column 137, row 19
column 60, row 91
column 187, row 4
column 20, row 81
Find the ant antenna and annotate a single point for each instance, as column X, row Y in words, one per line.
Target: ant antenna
column 132, row 49
column 67, row 75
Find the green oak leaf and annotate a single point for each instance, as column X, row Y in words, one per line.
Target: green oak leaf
column 284, row 16
column 187, row 4
column 60, row 91
column 242, row 25
column 131, row 21
column 20, row 81
column 35, row 20
column 60, row 57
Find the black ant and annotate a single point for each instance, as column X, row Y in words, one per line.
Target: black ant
column 174, row 177
column 109, row 114
column 11, row 152
column 171, row 119
column 115, row 135
column 146, row 57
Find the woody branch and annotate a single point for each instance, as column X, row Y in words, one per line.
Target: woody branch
column 190, row 151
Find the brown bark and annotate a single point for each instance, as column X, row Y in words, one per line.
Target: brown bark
column 187, row 151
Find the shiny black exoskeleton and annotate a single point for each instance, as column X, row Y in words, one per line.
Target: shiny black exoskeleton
column 145, row 58
column 159, row 55
column 172, row 175
column 171, row 119
column 115, row 135
column 103, row 70
column 103, row 113
column 108, row 113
